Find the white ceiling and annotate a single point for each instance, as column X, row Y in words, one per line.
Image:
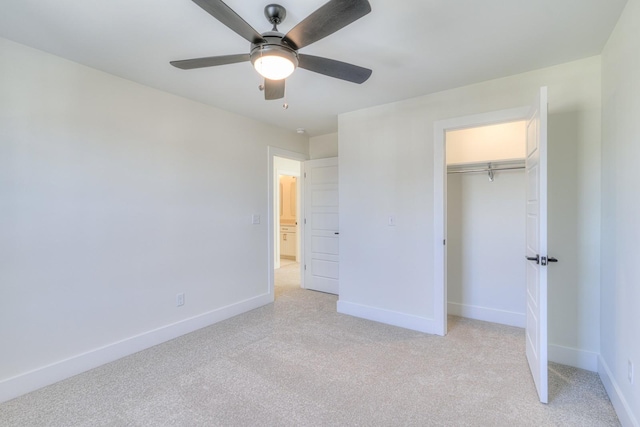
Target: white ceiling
column 414, row 47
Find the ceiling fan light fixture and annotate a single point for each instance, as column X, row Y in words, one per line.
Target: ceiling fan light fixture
column 274, row 67
column 274, row 62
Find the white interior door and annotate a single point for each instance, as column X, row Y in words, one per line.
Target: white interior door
column 321, row 225
column 536, row 247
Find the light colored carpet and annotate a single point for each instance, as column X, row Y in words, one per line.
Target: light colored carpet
column 287, row 277
column 299, row 363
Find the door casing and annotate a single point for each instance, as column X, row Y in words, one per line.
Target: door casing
column 273, row 152
column 440, row 200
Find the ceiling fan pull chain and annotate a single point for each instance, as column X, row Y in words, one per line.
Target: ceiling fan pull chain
column 285, row 105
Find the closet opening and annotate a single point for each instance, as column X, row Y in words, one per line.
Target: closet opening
column 485, row 197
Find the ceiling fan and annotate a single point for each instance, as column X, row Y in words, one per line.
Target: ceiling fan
column 275, row 55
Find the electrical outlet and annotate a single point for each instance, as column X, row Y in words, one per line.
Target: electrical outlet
column 630, row 371
column 180, row 299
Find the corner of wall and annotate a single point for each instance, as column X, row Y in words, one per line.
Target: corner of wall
column 577, row 358
column 323, row 146
column 394, row 318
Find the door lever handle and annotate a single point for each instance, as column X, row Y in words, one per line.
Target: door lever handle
column 534, row 258
column 336, row 232
column 544, row 260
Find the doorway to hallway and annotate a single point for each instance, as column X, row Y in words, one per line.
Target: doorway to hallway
column 285, row 217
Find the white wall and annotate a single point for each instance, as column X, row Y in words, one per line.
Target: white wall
column 485, row 243
column 620, row 289
column 323, row 146
column 486, row 143
column 115, row 197
column 386, row 168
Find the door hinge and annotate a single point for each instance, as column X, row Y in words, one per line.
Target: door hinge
column 305, row 174
column 444, row 242
column 305, row 266
column 305, row 220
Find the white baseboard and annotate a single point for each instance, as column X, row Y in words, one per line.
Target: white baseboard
column 620, row 404
column 408, row 321
column 58, row 371
column 582, row 359
column 487, row 314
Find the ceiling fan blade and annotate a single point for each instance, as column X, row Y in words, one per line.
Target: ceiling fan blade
column 210, row 61
column 273, row 89
column 326, row 20
column 332, row 68
column 228, row 17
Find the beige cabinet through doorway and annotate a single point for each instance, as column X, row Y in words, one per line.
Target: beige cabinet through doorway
column 288, row 217
column 288, row 245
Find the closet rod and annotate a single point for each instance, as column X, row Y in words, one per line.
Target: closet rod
column 486, row 169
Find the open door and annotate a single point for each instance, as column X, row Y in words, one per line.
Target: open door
column 321, row 225
column 536, row 247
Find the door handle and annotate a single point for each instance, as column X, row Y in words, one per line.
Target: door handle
column 336, row 232
column 534, row 258
column 544, row 260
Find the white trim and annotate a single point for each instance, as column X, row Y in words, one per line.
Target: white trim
column 271, row 153
column 439, row 229
column 439, row 192
column 577, row 358
column 388, row 317
column 620, row 404
column 58, row 371
column 487, row 314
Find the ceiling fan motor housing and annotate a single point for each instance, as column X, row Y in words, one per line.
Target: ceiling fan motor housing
column 273, row 46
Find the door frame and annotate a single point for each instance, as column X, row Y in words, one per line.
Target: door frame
column 273, row 152
column 440, row 197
